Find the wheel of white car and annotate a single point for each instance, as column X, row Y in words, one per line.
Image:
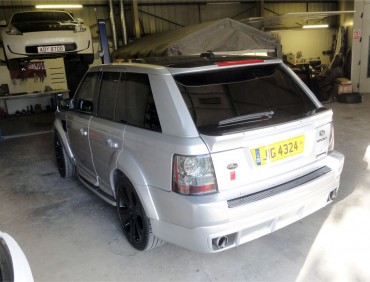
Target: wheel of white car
column 65, row 166
column 135, row 224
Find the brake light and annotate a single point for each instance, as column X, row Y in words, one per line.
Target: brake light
column 193, row 175
column 240, row 62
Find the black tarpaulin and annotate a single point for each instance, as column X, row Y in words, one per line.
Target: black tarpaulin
column 224, row 35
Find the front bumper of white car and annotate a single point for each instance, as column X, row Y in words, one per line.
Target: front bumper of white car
column 25, row 45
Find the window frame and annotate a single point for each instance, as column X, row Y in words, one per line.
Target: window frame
column 94, row 94
column 121, row 74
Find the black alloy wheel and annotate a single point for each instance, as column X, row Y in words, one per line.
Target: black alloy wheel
column 65, row 167
column 135, row 224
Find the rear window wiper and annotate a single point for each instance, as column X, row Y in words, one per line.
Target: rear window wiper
column 246, row 118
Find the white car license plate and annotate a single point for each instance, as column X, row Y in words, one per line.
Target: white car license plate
column 51, row 49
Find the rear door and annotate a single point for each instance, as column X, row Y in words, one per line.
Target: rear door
column 106, row 131
column 78, row 126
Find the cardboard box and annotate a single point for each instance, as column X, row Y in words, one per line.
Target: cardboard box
column 344, row 88
column 343, row 81
column 343, row 85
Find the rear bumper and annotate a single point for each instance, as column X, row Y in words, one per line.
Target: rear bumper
column 245, row 222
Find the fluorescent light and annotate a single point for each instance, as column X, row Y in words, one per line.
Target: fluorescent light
column 316, row 26
column 62, row 6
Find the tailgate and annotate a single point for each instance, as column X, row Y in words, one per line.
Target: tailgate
column 256, row 160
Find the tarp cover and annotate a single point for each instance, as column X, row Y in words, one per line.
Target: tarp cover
column 224, row 35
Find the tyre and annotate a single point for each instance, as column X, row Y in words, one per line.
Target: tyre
column 349, row 98
column 66, row 168
column 135, row 224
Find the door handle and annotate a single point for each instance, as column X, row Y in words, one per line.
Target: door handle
column 83, row 131
column 112, row 144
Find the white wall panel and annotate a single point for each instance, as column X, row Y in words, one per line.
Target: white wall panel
column 310, row 42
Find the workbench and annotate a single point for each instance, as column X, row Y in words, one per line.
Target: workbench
column 53, row 94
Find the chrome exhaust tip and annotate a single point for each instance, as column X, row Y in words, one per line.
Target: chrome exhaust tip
column 332, row 195
column 222, row 242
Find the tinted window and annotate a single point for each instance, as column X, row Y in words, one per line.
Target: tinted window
column 108, row 93
column 215, row 96
column 120, row 114
column 135, row 103
column 85, row 93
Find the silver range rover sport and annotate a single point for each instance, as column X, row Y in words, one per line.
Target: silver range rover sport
column 204, row 152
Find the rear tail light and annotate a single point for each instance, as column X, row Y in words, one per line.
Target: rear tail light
column 331, row 139
column 193, row 175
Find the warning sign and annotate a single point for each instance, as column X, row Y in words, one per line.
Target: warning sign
column 357, row 34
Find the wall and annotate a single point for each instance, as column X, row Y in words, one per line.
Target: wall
column 55, row 79
column 347, row 20
column 311, row 42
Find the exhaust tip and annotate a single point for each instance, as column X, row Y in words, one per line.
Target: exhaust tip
column 332, row 195
column 224, row 241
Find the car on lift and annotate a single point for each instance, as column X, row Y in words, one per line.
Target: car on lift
column 206, row 152
column 45, row 34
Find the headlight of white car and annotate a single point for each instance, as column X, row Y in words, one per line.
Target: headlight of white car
column 12, row 30
column 80, row 28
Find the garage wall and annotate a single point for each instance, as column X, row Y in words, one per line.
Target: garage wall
column 310, row 42
column 347, row 20
column 162, row 15
column 55, row 79
column 274, row 9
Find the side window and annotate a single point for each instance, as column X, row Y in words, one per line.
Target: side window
column 136, row 105
column 85, row 94
column 108, row 93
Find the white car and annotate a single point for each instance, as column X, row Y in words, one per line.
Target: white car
column 13, row 263
column 45, row 34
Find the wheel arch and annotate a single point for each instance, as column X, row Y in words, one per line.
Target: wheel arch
column 59, row 130
column 131, row 170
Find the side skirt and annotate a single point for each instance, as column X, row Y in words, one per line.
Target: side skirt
column 100, row 193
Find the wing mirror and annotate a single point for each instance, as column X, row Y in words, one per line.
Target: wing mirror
column 85, row 105
column 63, row 103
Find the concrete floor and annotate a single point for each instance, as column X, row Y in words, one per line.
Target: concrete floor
column 68, row 234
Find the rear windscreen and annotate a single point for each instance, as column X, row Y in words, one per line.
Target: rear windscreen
column 234, row 99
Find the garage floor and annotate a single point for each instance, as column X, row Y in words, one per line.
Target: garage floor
column 68, row 234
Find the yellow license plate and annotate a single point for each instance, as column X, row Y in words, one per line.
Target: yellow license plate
column 278, row 151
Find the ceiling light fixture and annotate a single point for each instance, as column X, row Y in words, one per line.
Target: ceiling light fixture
column 61, row 6
column 316, row 26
